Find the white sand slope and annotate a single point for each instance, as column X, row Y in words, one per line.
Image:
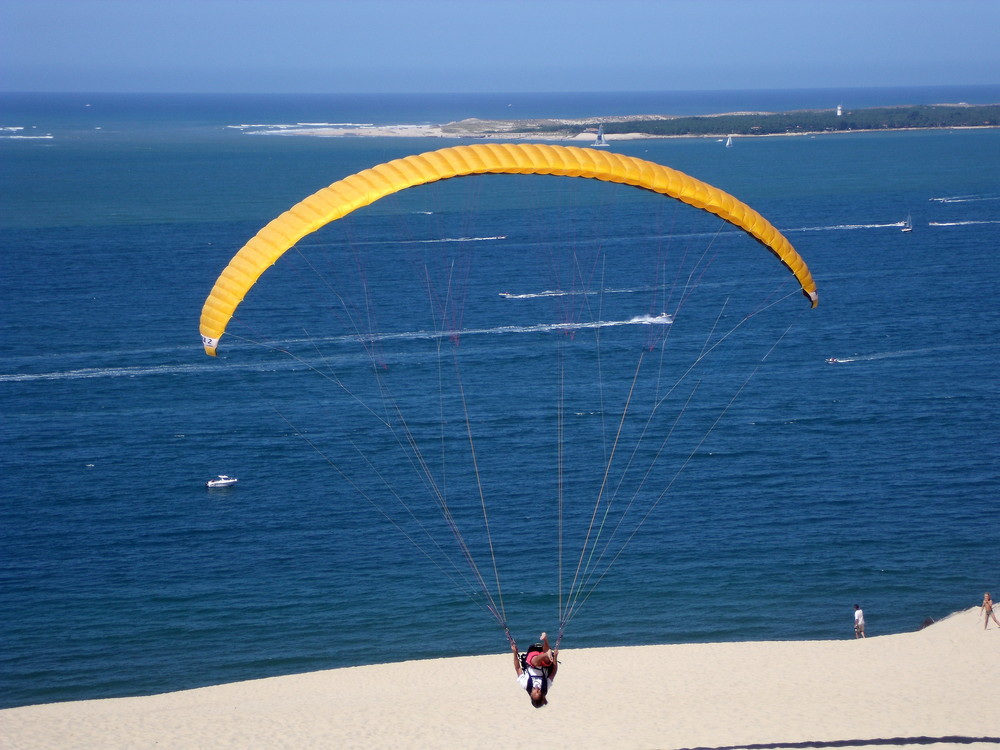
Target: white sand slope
column 899, row 690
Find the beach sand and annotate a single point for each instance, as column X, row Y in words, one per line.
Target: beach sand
column 934, row 687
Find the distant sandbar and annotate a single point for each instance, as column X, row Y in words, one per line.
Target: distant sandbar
column 631, row 127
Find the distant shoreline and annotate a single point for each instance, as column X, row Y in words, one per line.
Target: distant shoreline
column 635, row 127
column 436, row 131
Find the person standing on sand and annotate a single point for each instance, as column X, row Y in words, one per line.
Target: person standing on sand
column 538, row 670
column 987, row 610
column 859, row 622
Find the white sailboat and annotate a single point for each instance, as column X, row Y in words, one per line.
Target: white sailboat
column 600, row 137
column 729, row 142
column 908, row 224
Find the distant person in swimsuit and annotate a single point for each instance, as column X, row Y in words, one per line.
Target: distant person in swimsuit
column 538, row 671
column 859, row 621
column 987, row 610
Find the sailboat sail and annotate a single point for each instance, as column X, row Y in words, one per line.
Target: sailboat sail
column 600, row 137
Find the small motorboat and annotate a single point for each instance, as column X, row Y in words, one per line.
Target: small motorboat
column 222, row 481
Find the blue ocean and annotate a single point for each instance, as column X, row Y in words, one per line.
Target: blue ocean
column 515, row 401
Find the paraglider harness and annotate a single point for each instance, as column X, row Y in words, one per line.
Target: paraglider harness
column 535, row 648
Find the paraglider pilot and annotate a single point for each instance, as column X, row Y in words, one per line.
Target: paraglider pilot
column 536, row 669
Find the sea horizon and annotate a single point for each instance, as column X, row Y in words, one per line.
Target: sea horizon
column 437, row 108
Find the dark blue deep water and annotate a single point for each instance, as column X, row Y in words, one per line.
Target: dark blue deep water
column 436, row 349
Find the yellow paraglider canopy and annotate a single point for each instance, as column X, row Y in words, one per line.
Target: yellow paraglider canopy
column 361, row 189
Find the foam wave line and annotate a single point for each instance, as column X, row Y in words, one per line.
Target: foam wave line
column 286, row 127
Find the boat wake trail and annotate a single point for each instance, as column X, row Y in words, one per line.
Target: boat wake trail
column 962, row 223
column 574, row 293
column 965, row 199
column 842, row 227
column 660, row 319
column 460, row 239
column 86, row 373
column 894, row 354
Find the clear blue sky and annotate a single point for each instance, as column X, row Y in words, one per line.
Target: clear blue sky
column 493, row 45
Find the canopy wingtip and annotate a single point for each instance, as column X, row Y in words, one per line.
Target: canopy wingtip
column 211, row 345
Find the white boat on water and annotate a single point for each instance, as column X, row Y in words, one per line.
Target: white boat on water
column 729, row 142
column 600, row 137
column 222, row 481
column 908, row 224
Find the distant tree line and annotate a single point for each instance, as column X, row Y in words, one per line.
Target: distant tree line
column 810, row 121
